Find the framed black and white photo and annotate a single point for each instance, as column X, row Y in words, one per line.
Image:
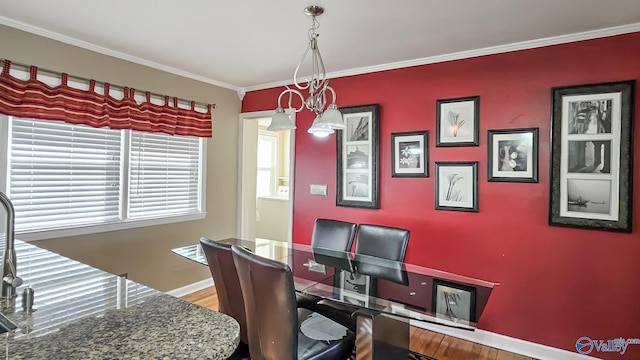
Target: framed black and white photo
column 513, row 155
column 409, row 154
column 592, row 156
column 357, row 152
column 455, row 302
column 457, row 186
column 457, row 122
column 354, row 288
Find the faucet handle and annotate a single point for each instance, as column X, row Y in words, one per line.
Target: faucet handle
column 13, row 281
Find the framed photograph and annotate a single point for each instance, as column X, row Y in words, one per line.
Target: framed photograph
column 457, row 186
column 453, row 301
column 457, row 122
column 409, row 156
column 592, row 156
column 513, row 155
column 354, row 288
column 357, row 152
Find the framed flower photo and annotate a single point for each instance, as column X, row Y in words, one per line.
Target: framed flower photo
column 409, row 156
column 454, row 301
column 513, row 155
column 457, row 122
column 457, row 186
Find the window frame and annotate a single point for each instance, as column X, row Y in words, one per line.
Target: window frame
column 123, row 224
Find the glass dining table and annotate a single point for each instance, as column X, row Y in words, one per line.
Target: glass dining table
column 384, row 295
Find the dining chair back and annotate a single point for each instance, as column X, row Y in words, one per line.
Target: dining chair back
column 333, row 234
column 386, row 243
column 273, row 319
column 225, row 279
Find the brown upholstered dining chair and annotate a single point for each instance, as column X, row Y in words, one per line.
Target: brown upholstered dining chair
column 273, row 318
column 225, row 278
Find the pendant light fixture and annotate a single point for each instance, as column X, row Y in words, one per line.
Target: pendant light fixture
column 328, row 117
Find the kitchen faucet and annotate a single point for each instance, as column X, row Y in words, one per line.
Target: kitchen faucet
column 10, row 279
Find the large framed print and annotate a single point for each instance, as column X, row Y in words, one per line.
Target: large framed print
column 592, row 156
column 457, row 186
column 357, row 162
column 457, row 122
column 409, row 154
column 512, row 155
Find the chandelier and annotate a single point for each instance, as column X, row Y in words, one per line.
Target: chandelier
column 328, row 117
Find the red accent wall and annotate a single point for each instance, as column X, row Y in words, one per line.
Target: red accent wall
column 556, row 284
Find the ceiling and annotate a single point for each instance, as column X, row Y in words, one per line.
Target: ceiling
column 253, row 44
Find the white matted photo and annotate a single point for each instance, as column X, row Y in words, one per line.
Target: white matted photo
column 513, row 155
column 457, row 186
column 357, row 158
column 592, row 155
column 409, row 154
column 453, row 301
column 457, row 121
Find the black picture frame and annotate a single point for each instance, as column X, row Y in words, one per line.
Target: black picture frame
column 410, row 154
column 456, row 186
column 591, row 184
column 457, row 122
column 512, row 155
column 353, row 287
column 453, row 301
column 357, row 157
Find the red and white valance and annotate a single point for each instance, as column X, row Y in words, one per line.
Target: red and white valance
column 32, row 98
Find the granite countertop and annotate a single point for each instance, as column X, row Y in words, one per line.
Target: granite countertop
column 101, row 316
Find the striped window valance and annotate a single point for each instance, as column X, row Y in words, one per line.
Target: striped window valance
column 32, row 98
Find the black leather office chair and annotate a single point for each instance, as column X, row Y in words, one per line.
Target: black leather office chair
column 225, row 278
column 273, row 319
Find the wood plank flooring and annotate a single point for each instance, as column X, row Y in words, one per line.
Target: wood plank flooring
column 439, row 346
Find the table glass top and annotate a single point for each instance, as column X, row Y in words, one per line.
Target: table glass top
column 372, row 283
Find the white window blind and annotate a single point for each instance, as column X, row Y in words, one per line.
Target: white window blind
column 63, row 174
column 66, row 179
column 164, row 174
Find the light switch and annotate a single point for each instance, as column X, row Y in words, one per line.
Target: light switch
column 320, row 190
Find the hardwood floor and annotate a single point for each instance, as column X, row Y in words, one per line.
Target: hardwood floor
column 439, row 346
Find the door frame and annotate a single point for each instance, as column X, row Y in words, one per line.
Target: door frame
column 242, row 180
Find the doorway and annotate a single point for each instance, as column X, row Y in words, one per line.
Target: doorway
column 265, row 194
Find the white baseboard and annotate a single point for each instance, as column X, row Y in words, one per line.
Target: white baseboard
column 518, row 346
column 185, row 290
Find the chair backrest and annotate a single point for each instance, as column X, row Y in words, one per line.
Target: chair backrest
column 383, row 242
column 225, row 278
column 333, row 234
column 272, row 317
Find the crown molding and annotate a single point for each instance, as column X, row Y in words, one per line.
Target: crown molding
column 106, row 51
column 524, row 45
column 530, row 44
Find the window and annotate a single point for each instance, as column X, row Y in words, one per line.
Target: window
column 62, row 176
column 267, row 165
